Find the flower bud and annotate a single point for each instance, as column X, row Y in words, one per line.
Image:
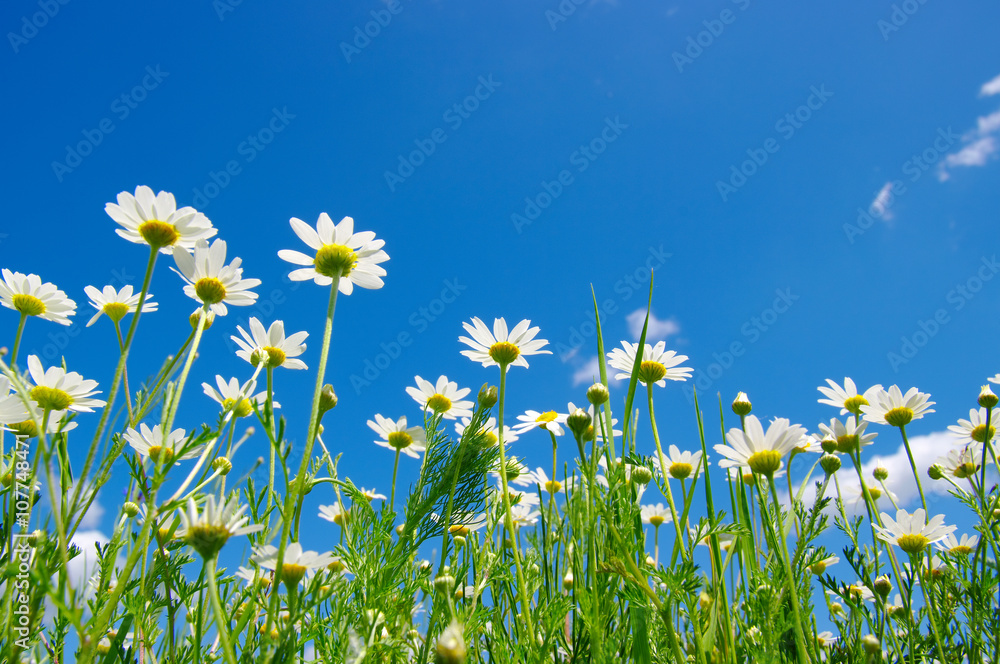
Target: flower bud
column 568, row 580
column 986, row 397
column 881, row 473
column 130, row 509
column 578, row 421
column 882, row 585
column 996, row 514
column 36, row 538
column 741, row 404
column 222, row 465
column 836, row 609
column 597, row 394
column 830, row 463
column 828, row 445
column 935, row 472
column 327, row 399
column 641, row 475
column 649, row 561
column 459, row 541
column 871, row 644
column 450, row 648
column 193, row 319
column 488, row 396
column 444, row 581
column 704, row 601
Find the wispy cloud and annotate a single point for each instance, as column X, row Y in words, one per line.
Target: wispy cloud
column 659, row 328
column 590, row 371
column 881, row 206
column 990, row 88
column 980, row 145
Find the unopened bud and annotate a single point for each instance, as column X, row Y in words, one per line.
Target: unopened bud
column 193, row 319
column 882, row 585
column 568, row 580
column 986, row 397
column 881, row 473
column 935, row 472
column 871, row 644
column 704, row 601
column 488, row 396
column 459, row 541
column 741, row 404
column 641, row 475
column 130, row 509
column 444, row 581
column 36, row 538
column 450, row 648
column 597, row 394
column 222, row 465
column 829, row 445
column 578, row 422
column 327, row 399
column 830, row 463
column 996, row 514
column 649, row 561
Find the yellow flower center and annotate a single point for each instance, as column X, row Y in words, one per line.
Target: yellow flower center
column 680, row 470
column 656, row 520
column 765, row 462
column 979, row 433
column 848, row 443
column 504, row 352
column 210, row 290
column 155, row 451
column 340, row 518
column 856, row 592
column 875, row 493
column 116, row 310
column 899, row 417
column 26, row 429
column 854, row 404
column 912, row 543
column 51, row 398
column 748, row 478
column 241, row 409
column 960, row 550
column 207, row 540
column 333, row 260
column 588, row 435
column 158, row 233
column 439, row 403
column 291, row 573
column 491, row 438
column 651, row 372
column 964, row 470
column 553, row 486
column 818, row 568
column 271, row 356
column 29, row 304
column 400, row 439
column 458, row 529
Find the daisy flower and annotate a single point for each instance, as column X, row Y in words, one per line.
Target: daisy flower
column 26, row 294
column 12, row 410
column 655, row 515
column 588, row 435
column 517, row 472
column 295, row 563
column 27, row 428
column 912, row 532
column 819, row 566
column 208, row 531
column 116, row 304
column 340, row 252
column 657, row 364
column 371, row 494
column 856, row 592
column 523, row 515
column 443, row 398
column 542, row 480
column 335, row 513
column 156, row 221
column 894, row 408
column 962, row 463
column 856, row 494
column 212, row 282
column 270, row 345
column 518, row 497
column 58, row 389
column 825, row 639
column 550, row 421
column 232, row 396
column 846, row 398
column 680, row 465
column 974, row 428
column 490, row 427
column 850, row 437
column 500, row 347
column 959, row 547
column 760, row 452
column 152, row 443
column 395, row 436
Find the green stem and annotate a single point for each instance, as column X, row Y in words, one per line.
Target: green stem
column 128, row 392
column 392, row 492
column 916, row 475
column 220, row 616
column 783, row 552
column 666, row 479
column 17, row 339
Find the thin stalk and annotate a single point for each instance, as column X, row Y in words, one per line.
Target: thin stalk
column 17, row 338
column 783, row 552
column 221, row 618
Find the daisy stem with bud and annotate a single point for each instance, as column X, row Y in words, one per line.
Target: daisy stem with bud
column 663, row 469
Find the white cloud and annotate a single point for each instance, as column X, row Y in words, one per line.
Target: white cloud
column 990, row 88
column 988, row 124
column 973, row 154
column 658, row 328
column 880, row 207
column 590, row 372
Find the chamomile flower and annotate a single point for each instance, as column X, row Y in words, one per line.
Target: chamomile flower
column 371, row 494
column 962, row 463
column 817, row 567
column 212, row 282
column 443, row 397
column 209, row 530
column 973, row 430
column 59, row 422
column 958, row 547
column 680, row 465
column 761, row 453
column 518, row 497
column 523, row 515
column 517, row 472
column 335, row 513
column 352, row 258
column 912, row 532
column 12, row 409
column 856, row 495
column 847, row 398
column 549, row 420
column 850, row 437
column 894, row 408
column 27, row 295
column 490, row 427
column 153, row 444
column 396, row 436
column 233, row 396
column 588, row 435
column 295, row 562
column 541, row 478
column 502, row 347
column 156, row 221
column 58, row 389
column 116, row 304
column 825, row 639
column 270, row 345
column 655, row 515
column 657, row 365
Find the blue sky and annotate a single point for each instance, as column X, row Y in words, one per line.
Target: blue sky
column 811, row 183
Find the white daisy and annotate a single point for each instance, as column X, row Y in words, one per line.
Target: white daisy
column 443, row 398
column 396, row 436
column 116, row 304
column 523, row 515
column 657, row 364
column 894, row 408
column 680, row 465
column 856, row 593
column 847, row 398
column 270, row 345
column 760, row 452
column 58, row 423
column 156, row 221
column 825, row 639
column 517, row 472
column 542, row 480
column 959, row 547
column 208, row 531
column 500, row 347
column 295, row 562
column 26, row 294
column 151, row 443
column 12, row 409
column 58, row 389
column 550, row 421
column 850, row 437
column 212, row 282
column 233, row 396
column 974, row 428
column 518, row 497
column 335, row 513
column 912, row 532
column 655, row 515
column 490, row 427
column 962, row 463
column 856, row 495
column 371, row 494
column 354, row 257
column 819, row 566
